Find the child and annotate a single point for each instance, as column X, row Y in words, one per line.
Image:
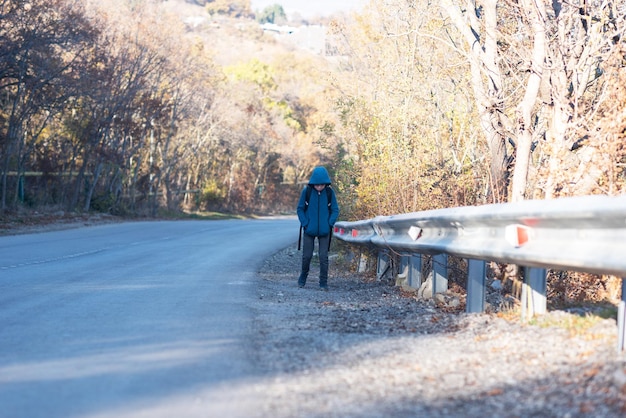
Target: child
column 317, row 211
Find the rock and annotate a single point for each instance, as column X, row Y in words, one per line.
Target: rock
column 402, row 280
column 619, row 379
column 454, row 302
column 426, row 289
column 447, row 300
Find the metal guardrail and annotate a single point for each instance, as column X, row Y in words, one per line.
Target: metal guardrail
column 574, row 234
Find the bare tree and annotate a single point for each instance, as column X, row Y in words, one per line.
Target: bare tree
column 585, row 37
column 41, row 42
column 477, row 22
column 552, row 58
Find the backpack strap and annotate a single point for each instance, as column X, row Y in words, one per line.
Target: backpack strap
column 329, row 194
column 306, row 206
column 309, row 189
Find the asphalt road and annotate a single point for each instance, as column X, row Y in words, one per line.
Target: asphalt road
column 132, row 320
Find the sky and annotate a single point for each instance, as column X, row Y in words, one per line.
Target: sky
column 310, row 8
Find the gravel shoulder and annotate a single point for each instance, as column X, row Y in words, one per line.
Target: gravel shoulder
column 37, row 222
column 368, row 349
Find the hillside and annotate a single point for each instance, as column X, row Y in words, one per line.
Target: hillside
column 232, row 40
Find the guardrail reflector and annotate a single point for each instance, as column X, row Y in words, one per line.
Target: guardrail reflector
column 517, row 235
column 415, row 232
column 355, row 233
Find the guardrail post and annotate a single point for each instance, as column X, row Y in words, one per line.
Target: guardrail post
column 440, row 273
column 534, row 292
column 476, row 286
column 415, row 270
column 621, row 319
column 383, row 265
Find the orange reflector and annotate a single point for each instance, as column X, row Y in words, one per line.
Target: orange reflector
column 517, row 235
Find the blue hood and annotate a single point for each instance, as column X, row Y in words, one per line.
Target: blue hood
column 320, row 176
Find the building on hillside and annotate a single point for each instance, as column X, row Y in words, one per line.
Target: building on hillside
column 278, row 29
column 311, row 38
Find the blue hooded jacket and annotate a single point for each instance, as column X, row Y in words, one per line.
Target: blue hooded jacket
column 318, row 218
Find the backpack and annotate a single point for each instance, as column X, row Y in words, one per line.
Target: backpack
column 307, row 197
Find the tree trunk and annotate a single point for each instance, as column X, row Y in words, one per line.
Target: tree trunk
column 536, row 15
column 486, row 83
column 96, row 176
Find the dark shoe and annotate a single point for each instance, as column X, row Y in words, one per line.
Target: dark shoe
column 301, row 280
column 324, row 288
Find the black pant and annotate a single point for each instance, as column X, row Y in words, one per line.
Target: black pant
column 307, row 255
